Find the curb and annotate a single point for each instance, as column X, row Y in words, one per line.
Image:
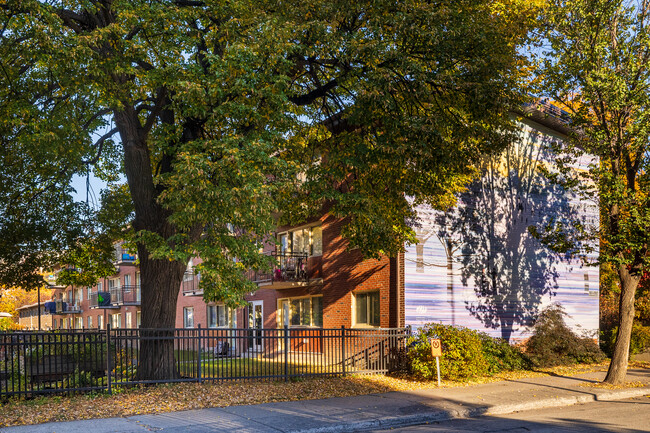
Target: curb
column 428, row 417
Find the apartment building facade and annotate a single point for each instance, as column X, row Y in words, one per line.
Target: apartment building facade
column 476, row 266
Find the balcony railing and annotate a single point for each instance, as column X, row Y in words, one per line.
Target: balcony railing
column 63, row 307
column 289, row 267
column 125, row 295
column 190, row 285
column 101, row 300
column 123, row 256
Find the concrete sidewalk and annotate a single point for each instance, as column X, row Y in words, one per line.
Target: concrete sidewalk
column 372, row 411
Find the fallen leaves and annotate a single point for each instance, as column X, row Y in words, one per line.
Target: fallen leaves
column 184, row 396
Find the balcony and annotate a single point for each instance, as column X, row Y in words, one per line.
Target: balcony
column 290, row 270
column 101, row 300
column 125, row 295
column 67, row 308
column 123, row 256
column 190, row 285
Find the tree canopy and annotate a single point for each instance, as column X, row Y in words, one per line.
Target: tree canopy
column 596, row 67
column 224, row 116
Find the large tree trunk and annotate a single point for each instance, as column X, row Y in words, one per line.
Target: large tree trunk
column 161, row 280
column 618, row 365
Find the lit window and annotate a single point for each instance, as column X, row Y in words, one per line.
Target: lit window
column 116, row 321
column 308, row 241
column 367, row 309
column 188, row 317
column 317, row 241
column 302, row 311
column 218, row 316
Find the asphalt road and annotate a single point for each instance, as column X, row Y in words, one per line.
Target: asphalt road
column 622, row 416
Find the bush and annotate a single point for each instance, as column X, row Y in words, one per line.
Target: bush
column 554, row 343
column 465, row 353
column 639, row 340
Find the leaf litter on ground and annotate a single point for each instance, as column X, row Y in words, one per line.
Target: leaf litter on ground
column 185, row 396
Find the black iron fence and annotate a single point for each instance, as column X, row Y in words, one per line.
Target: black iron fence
column 74, row 360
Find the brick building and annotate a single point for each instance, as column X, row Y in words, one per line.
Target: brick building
column 316, row 284
column 28, row 316
column 319, row 283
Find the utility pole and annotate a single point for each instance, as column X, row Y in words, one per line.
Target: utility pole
column 38, row 290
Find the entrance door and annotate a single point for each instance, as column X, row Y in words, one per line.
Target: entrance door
column 255, row 323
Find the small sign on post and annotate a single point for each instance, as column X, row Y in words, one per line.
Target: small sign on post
column 436, row 352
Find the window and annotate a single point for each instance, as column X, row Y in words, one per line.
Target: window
column 367, row 309
column 127, row 319
column 317, row 241
column 113, row 284
column 116, row 320
column 188, row 317
column 89, row 290
column 79, row 295
column 302, row 311
column 308, row 240
column 100, row 322
column 127, row 280
column 219, row 316
column 138, row 318
column 79, row 323
column 99, row 287
column 90, row 322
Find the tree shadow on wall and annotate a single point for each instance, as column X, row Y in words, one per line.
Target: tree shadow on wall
column 508, row 268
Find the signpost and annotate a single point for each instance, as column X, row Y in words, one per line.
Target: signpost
column 436, row 352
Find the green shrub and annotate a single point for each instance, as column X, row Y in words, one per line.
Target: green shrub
column 465, row 353
column 554, row 343
column 502, row 356
column 639, row 340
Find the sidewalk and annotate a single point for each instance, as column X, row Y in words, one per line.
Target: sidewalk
column 347, row 414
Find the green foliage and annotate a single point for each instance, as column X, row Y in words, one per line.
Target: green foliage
column 594, row 65
column 81, row 379
column 211, row 109
column 639, row 340
column 554, row 343
column 465, row 353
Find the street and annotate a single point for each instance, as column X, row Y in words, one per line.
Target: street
column 623, row 416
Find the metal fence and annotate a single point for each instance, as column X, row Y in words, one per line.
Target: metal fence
column 74, row 360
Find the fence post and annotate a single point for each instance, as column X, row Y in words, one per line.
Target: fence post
column 286, row 352
column 199, row 353
column 108, row 356
column 343, row 349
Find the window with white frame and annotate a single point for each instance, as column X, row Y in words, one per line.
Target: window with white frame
column 116, row 320
column 79, row 323
column 307, row 240
column 138, row 318
column 307, row 311
column 89, row 290
column 100, row 321
column 89, row 321
column 367, row 309
column 188, row 317
column 219, row 316
column 127, row 319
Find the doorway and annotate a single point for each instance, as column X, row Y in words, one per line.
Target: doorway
column 256, row 323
